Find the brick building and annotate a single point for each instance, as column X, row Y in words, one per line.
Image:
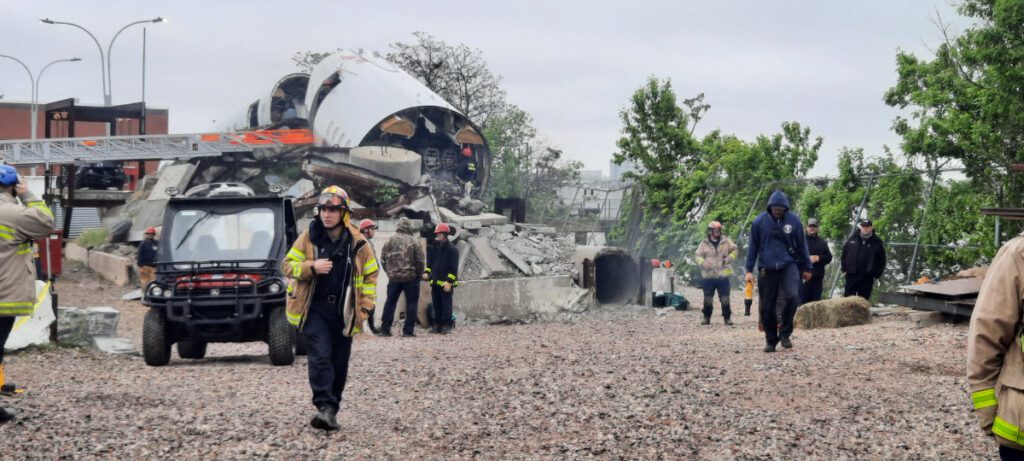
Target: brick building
column 66, row 118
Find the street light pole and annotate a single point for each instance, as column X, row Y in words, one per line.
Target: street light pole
column 110, row 76
column 104, row 58
column 34, row 104
column 103, row 70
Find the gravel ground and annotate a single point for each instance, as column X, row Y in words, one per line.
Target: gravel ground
column 621, row 383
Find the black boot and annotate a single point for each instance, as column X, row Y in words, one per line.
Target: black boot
column 325, row 419
column 728, row 321
column 385, row 333
column 706, row 321
column 785, row 343
column 769, row 347
column 6, row 415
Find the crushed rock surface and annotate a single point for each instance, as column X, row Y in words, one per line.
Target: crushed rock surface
column 619, row 383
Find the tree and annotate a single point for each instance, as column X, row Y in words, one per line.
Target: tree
column 458, row 73
column 524, row 167
column 968, row 101
column 307, row 60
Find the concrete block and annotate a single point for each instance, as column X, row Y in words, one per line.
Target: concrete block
column 151, row 214
column 472, row 225
column 515, row 259
column 72, row 327
column 392, row 162
column 172, row 176
column 117, row 269
column 102, row 321
column 486, row 255
column 523, row 298
column 925, row 319
column 74, row 252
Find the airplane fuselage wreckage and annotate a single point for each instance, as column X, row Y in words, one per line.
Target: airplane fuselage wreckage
column 391, row 142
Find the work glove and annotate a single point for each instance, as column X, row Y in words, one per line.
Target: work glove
column 447, row 287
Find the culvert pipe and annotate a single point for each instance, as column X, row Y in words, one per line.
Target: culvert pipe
column 611, row 272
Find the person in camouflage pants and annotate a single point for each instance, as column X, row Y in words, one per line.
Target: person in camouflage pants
column 403, row 262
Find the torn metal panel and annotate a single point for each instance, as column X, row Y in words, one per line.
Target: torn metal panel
column 959, row 307
column 949, row 289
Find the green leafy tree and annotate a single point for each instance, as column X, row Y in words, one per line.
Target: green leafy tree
column 967, row 103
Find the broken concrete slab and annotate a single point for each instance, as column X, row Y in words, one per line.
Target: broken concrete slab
column 535, row 228
column 485, row 219
column 486, row 255
column 133, row 295
column 177, row 176
column 514, row 259
column 302, row 189
column 463, row 247
column 662, row 280
column 34, row 331
column 503, row 228
column 112, row 345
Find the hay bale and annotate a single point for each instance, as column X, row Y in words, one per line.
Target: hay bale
column 833, row 313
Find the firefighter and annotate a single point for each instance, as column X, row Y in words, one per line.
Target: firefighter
column 368, row 228
column 332, row 291
column 995, row 361
column 715, row 254
column 20, row 225
column 466, row 167
column 147, row 258
column 442, row 275
column 402, row 259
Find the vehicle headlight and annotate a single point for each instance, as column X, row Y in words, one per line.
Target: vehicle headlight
column 156, row 291
column 274, row 287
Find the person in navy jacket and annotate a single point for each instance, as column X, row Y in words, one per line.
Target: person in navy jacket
column 778, row 246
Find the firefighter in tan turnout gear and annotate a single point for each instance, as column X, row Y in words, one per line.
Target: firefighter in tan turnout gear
column 995, row 361
column 332, row 291
column 715, row 255
column 20, row 225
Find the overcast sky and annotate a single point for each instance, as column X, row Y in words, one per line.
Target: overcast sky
column 572, row 65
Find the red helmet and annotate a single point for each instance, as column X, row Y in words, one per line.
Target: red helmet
column 367, row 224
column 666, row 264
column 714, row 225
column 151, row 230
column 467, row 151
column 655, row 262
column 442, row 228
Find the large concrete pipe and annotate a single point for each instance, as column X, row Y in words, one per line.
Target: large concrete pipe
column 610, row 271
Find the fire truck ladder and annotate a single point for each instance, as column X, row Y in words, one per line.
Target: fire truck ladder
column 145, row 147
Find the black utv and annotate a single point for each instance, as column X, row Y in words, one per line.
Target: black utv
column 218, row 277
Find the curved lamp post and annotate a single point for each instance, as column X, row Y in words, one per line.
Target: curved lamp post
column 104, row 58
column 35, row 86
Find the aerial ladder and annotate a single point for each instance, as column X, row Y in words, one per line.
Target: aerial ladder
column 70, row 152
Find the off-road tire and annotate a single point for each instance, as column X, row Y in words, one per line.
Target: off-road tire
column 191, row 349
column 156, row 344
column 279, row 338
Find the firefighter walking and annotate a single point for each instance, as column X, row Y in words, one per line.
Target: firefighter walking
column 332, row 291
column 20, row 224
column 715, row 255
column 442, row 275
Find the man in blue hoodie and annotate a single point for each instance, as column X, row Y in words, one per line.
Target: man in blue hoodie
column 778, row 245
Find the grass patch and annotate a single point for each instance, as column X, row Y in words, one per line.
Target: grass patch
column 92, row 238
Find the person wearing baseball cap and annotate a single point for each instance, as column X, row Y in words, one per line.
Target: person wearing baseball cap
column 863, row 260
column 821, row 256
column 147, row 258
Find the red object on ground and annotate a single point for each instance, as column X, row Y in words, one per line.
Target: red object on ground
column 52, row 244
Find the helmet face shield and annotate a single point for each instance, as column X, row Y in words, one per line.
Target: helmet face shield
column 333, row 200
